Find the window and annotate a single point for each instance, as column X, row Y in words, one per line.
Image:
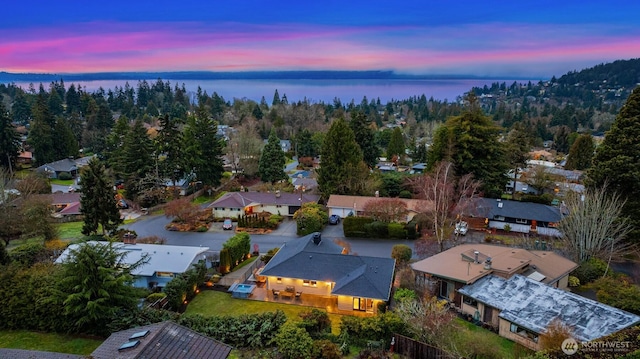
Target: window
column 309, row 283
column 470, row 301
column 279, row 280
column 498, row 218
column 521, row 221
column 524, row 332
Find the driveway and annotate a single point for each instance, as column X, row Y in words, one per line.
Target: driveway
column 154, row 225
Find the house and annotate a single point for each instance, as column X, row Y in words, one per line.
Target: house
column 465, row 264
column 522, row 309
column 67, row 165
column 304, row 184
column 65, row 204
column 318, row 267
column 158, row 341
column 233, row 204
column 344, row 206
column 164, row 261
column 25, row 158
column 522, row 217
column 419, row 168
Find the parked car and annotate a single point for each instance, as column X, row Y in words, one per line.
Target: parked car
column 227, row 224
column 334, row 219
column 461, row 228
column 122, row 204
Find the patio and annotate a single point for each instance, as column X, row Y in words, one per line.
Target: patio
column 330, row 304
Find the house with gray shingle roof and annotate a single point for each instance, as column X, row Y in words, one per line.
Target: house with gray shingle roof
column 233, row 204
column 159, row 341
column 523, row 308
column 523, row 217
column 319, row 267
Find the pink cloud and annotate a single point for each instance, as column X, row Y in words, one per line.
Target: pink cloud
column 97, row 47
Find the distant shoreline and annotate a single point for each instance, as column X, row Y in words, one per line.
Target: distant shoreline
column 6, row 77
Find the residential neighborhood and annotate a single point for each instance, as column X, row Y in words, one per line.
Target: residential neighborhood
column 362, row 233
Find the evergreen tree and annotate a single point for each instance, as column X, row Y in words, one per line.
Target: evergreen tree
column 65, row 141
column 581, row 153
column 98, row 201
column 203, row 148
column 616, row 163
column 138, row 160
column 272, row 160
column 470, row 141
column 115, row 152
column 341, row 162
column 305, row 145
column 9, row 140
column 365, row 138
column 20, row 109
column 169, row 145
column 518, row 145
column 95, row 286
column 396, row 144
column 73, row 100
column 41, row 134
column 276, row 99
column 55, row 103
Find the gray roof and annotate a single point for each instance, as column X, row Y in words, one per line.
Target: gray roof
column 163, row 340
column 35, row 354
column 162, row 258
column 243, row 199
column 63, row 165
column 534, row 305
column 490, row 208
column 358, row 276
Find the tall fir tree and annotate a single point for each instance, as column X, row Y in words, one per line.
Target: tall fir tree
column 365, row 137
column 203, row 148
column 616, row 163
column 97, row 200
column 581, row 153
column 42, row 128
column 9, row 140
column 169, row 145
column 20, row 109
column 396, row 144
column 65, row 141
column 272, row 160
column 471, row 142
column 341, row 162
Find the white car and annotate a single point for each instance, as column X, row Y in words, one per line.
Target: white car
column 461, row 228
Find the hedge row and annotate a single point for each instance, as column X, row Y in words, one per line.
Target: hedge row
column 366, row 227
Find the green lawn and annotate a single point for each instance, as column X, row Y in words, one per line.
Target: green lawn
column 70, row 230
column 210, row 303
column 23, row 339
column 61, row 182
column 472, row 333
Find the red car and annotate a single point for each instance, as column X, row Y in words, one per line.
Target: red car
column 227, row 224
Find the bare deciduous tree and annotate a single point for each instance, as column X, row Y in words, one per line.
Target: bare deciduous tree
column 428, row 318
column 448, row 195
column 386, row 209
column 594, row 226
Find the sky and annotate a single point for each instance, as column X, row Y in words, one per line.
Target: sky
column 537, row 39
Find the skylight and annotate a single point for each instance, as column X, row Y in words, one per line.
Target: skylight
column 129, row 345
column 139, row 335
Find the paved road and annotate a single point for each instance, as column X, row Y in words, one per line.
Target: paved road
column 154, row 225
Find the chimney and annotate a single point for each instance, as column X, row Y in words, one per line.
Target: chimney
column 278, row 194
column 476, row 253
column 317, row 238
column 129, row 238
column 377, row 194
column 487, row 264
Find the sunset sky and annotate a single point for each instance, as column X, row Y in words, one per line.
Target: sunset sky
column 485, row 38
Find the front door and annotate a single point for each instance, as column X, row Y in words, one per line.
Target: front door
column 488, row 314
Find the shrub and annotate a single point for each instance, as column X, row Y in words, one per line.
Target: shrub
column 293, row 342
column 310, row 218
column 225, row 261
column 28, row 254
column 325, row 349
column 65, row 176
column 353, row 226
column 316, row 322
column 154, row 297
column 377, row 229
column 238, row 246
column 405, row 194
column 403, row 294
column 396, row 230
column 574, row 281
column 401, row 253
column 590, row 270
column 267, row 257
column 507, row 227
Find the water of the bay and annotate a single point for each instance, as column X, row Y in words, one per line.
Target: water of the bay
column 313, row 90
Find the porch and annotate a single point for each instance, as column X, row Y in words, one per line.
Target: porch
column 330, row 304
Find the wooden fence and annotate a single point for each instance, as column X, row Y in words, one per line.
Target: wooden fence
column 414, row 349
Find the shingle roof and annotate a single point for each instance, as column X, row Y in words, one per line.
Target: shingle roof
column 450, row 264
column 35, row 354
column 162, row 258
column 534, row 305
column 243, row 199
column 342, row 201
column 63, row 165
column 490, row 208
column 368, row 277
column 164, row 340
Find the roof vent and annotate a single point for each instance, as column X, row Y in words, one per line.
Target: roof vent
column 317, row 238
column 476, row 253
column 278, row 194
column 487, row 264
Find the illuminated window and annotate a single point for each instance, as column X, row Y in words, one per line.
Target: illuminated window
column 309, row 283
column 279, row 280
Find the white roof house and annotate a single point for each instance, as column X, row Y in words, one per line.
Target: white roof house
column 164, row 261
